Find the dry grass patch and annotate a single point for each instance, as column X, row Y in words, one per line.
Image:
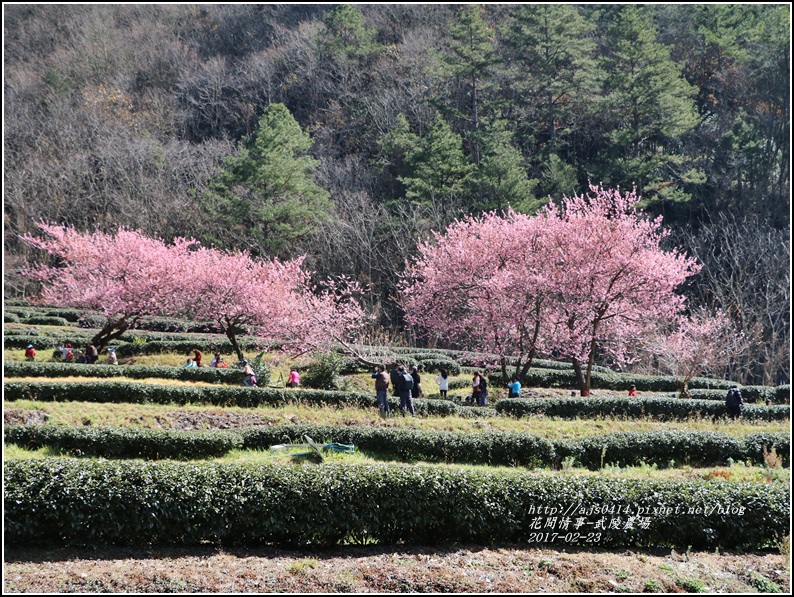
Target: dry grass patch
column 464, row 569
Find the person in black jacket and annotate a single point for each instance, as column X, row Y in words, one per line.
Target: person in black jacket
column 733, row 402
column 417, row 391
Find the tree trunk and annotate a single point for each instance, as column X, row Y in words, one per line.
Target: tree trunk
column 580, row 379
column 111, row 331
column 233, row 339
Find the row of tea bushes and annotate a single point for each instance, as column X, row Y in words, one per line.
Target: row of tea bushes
column 775, row 395
column 45, row 369
column 663, row 448
column 136, row 393
column 559, row 378
column 99, row 502
column 566, row 408
column 633, row 408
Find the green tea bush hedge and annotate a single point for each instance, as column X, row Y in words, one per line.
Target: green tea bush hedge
column 664, row 448
column 632, row 408
column 53, row 502
column 125, row 442
column 44, row 320
column 495, row 448
column 130, row 392
column 606, row 380
column 46, row 369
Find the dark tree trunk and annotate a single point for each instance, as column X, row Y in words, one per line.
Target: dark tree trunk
column 112, row 330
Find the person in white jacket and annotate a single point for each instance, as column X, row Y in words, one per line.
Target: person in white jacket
column 443, row 383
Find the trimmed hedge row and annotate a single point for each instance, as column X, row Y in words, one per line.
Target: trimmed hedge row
column 560, row 378
column 779, row 395
column 125, row 442
column 663, row 447
column 695, row 448
column 635, row 407
column 45, row 369
column 130, row 392
column 96, row 502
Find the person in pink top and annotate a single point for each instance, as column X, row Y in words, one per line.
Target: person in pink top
column 294, row 379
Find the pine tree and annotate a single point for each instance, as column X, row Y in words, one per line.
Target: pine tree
column 265, row 197
column 554, row 60
column 501, row 180
column 649, row 106
column 469, row 59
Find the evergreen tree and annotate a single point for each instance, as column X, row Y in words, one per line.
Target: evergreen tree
column 649, row 106
column 555, row 68
column 265, row 197
column 345, row 37
column 469, row 59
column 501, row 180
column 438, row 170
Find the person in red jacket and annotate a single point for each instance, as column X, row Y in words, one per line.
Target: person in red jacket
column 633, row 390
column 197, row 357
column 30, row 353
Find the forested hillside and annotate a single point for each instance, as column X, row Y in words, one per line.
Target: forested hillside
column 350, row 133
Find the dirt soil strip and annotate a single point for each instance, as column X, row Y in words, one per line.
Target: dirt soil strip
column 389, row 570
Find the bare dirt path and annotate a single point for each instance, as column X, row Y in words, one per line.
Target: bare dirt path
column 389, row 570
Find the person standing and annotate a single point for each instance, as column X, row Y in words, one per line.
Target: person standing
column 381, row 389
column 197, row 357
column 443, row 383
column 394, row 377
column 483, row 390
column 733, row 402
column 91, row 353
column 405, row 386
column 294, row 378
column 475, row 388
column 417, row 390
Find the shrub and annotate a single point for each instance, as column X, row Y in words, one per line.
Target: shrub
column 44, row 369
column 657, row 408
column 125, row 442
column 10, row 318
column 44, row 320
column 118, row 392
column 97, row 502
column 324, row 370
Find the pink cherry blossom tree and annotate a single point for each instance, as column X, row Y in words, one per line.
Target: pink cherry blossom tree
column 481, row 286
column 272, row 299
column 124, row 275
column 692, row 345
column 611, row 279
column 582, row 278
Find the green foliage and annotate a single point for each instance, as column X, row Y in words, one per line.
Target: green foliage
column 324, row 370
column 660, row 448
column 123, row 392
column 693, row 448
column 97, row 502
column 666, row 409
column 346, row 37
column 125, row 442
column 206, row 374
column 43, row 320
column 261, row 372
column 266, row 194
column 10, row 318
